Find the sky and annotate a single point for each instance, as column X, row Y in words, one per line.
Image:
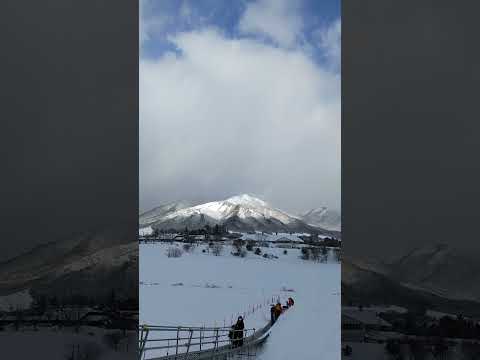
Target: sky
column 240, row 97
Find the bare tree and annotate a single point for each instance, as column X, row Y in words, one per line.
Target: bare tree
column 305, row 253
column 238, row 244
column 250, row 245
column 324, row 254
column 174, row 252
column 187, row 247
column 337, row 254
column 217, row 249
column 315, row 253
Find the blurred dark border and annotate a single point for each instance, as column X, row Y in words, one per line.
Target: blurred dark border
column 410, row 190
column 69, row 183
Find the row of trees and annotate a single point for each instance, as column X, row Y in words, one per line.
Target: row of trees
column 219, row 230
column 240, row 248
column 319, row 253
column 206, row 230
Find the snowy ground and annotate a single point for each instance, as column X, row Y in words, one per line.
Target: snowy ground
column 200, row 289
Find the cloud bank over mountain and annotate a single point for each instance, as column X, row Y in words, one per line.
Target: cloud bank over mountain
column 245, row 108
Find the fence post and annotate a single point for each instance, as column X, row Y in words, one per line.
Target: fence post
column 216, row 340
column 253, row 338
column 143, row 341
column 176, row 347
column 189, row 342
column 140, row 342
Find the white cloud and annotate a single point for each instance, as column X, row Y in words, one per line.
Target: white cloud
column 229, row 116
column 278, row 20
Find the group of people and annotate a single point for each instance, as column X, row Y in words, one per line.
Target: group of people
column 236, row 332
column 277, row 309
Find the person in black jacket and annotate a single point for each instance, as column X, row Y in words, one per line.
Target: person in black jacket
column 238, row 332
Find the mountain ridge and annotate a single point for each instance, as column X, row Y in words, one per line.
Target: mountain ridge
column 371, row 283
column 323, row 217
column 242, row 212
column 150, row 216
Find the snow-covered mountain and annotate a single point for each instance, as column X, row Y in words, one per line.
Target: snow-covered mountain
column 156, row 214
column 238, row 213
column 324, row 218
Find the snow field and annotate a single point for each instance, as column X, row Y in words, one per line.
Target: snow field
column 200, row 289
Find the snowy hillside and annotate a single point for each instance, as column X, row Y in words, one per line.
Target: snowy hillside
column 418, row 278
column 430, row 268
column 156, row 214
column 74, row 266
column 324, row 218
column 238, row 213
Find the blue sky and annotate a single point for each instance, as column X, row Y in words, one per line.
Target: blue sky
column 240, row 97
column 163, row 18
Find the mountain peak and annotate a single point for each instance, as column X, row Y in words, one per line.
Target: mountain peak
column 246, row 199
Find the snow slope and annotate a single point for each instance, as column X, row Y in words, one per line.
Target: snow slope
column 429, row 268
column 202, row 289
column 156, row 214
column 324, row 218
